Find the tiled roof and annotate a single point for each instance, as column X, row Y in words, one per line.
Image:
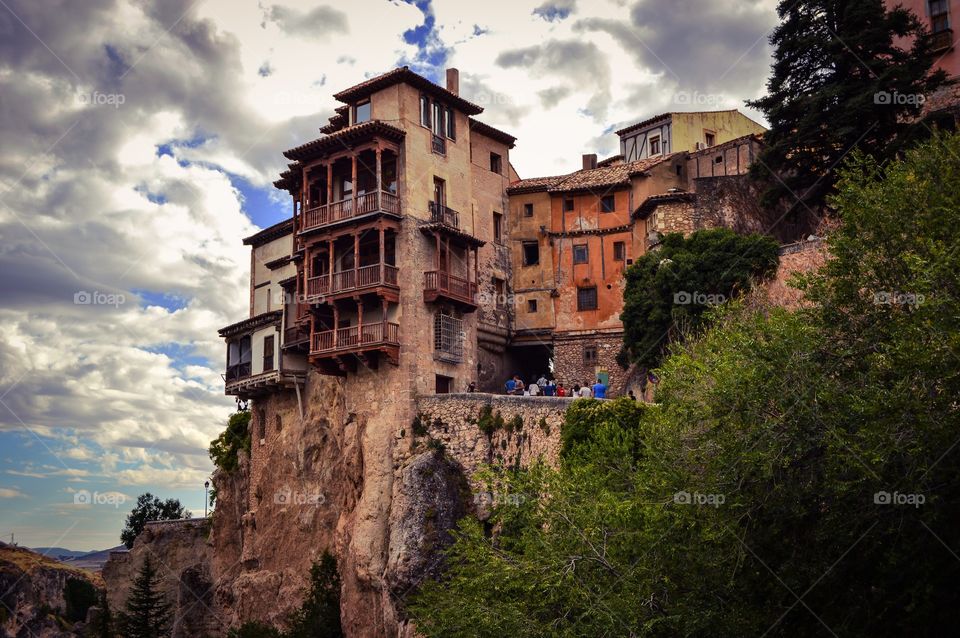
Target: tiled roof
column 600, row 177
column 651, row 203
column 343, row 138
column 404, row 74
column 290, row 179
column 251, row 323
column 492, row 133
column 737, row 141
column 613, row 159
column 270, row 233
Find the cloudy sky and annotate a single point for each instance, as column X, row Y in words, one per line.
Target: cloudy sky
column 138, row 142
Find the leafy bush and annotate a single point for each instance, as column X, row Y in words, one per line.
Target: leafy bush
column 236, row 437
column 669, row 290
column 79, row 596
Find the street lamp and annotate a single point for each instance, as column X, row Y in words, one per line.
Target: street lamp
column 206, row 488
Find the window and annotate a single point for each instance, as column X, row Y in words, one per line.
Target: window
column 531, row 253
column 238, row 359
column 500, row 291
column 587, row 298
column 444, row 384
column 567, row 205
column 279, row 423
column 528, row 210
column 607, row 204
column 939, row 16
column 496, row 163
column 655, row 145
column 438, row 119
column 451, row 124
column 439, row 192
column 497, row 227
column 268, row 353
column 581, row 254
column 448, row 337
column 361, row 112
column 531, row 305
column 619, row 251
column 710, row 138
column 425, row 111
column 590, row 354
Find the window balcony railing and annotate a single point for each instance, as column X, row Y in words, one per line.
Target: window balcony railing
column 364, row 204
column 443, row 215
column 365, row 337
column 941, row 40
column 438, row 145
column 354, row 279
column 439, row 283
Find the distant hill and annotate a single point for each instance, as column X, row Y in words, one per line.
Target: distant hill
column 92, row 560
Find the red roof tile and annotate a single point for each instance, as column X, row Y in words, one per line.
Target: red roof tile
column 404, row 74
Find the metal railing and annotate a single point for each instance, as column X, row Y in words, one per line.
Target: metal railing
column 443, row 215
column 448, row 337
column 438, row 145
column 355, row 337
column 351, row 207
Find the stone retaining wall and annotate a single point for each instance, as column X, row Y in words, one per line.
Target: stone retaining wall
column 527, row 428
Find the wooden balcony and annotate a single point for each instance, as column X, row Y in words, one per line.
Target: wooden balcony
column 439, row 284
column 372, row 336
column 350, row 281
column 326, row 214
column 442, row 215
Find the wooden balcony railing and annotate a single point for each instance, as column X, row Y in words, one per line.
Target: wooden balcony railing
column 443, row 215
column 443, row 283
column 348, row 280
column 344, row 209
column 355, row 338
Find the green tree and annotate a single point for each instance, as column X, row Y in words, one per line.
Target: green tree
column 797, row 477
column 236, row 437
column 669, row 290
column 148, row 614
column 78, row 595
column 319, row 616
column 842, row 80
column 150, row 508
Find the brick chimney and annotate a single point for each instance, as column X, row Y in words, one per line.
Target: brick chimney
column 589, row 161
column 453, row 81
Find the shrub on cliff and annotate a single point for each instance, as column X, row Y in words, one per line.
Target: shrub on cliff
column 319, row 616
column 798, row 477
column 78, row 596
column 669, row 290
column 150, row 508
column 223, row 450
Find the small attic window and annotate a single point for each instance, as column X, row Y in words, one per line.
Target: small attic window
column 361, row 112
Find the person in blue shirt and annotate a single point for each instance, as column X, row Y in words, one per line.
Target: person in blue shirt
column 549, row 389
column 510, row 385
column 599, row 390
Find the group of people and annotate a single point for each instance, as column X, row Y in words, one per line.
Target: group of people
column 550, row 388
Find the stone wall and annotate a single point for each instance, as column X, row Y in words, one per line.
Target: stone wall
column 453, row 420
column 571, row 364
column 801, row 257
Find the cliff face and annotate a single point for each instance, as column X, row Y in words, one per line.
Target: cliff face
column 181, row 552
column 358, row 476
column 31, row 594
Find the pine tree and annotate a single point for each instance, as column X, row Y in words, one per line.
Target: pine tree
column 841, row 80
column 147, row 612
column 319, row 617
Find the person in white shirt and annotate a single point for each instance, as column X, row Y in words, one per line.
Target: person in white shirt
column 534, row 389
column 542, row 381
column 586, row 393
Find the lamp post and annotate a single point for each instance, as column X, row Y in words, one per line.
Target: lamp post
column 206, row 488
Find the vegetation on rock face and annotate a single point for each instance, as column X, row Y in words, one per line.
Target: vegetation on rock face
column 318, row 617
column 236, row 437
column 669, row 290
column 150, row 508
column 840, row 81
column 79, row 596
column 798, row 473
column 148, row 613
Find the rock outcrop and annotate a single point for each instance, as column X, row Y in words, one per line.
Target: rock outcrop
column 32, row 594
